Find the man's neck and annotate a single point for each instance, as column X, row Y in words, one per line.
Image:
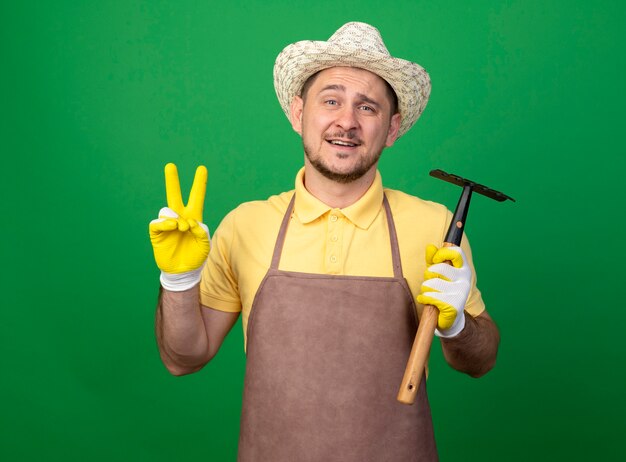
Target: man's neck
column 334, row 194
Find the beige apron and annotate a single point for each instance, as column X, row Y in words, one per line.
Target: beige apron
column 325, row 357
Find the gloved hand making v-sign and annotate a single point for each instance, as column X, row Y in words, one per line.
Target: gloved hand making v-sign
column 180, row 240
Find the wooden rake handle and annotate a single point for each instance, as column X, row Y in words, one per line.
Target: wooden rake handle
column 416, row 365
column 419, row 355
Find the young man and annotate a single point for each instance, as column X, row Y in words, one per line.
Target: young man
column 325, row 276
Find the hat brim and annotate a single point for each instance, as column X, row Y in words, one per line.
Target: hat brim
column 300, row 60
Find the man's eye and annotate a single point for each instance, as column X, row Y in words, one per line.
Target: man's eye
column 367, row 108
column 331, row 102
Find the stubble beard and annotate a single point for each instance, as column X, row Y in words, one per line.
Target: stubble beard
column 361, row 168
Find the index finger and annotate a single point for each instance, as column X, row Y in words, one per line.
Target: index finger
column 196, row 196
column 172, row 189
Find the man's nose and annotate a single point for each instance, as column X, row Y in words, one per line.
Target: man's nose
column 346, row 118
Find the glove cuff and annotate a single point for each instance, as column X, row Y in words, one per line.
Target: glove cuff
column 455, row 329
column 180, row 281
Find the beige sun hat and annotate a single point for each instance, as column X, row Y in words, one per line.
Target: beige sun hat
column 355, row 44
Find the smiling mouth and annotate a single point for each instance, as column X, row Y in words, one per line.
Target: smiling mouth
column 343, row 143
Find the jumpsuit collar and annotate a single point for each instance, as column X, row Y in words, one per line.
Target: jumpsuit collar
column 362, row 213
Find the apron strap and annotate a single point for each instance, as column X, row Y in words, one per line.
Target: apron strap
column 280, row 240
column 393, row 238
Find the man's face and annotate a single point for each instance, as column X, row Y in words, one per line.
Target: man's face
column 345, row 122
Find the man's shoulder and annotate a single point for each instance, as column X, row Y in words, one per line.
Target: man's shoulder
column 256, row 219
column 402, row 202
column 418, row 221
column 253, row 211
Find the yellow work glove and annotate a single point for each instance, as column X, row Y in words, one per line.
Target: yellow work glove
column 447, row 287
column 180, row 240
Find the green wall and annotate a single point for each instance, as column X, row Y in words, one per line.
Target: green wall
column 527, row 98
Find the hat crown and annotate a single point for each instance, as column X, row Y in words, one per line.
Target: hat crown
column 361, row 36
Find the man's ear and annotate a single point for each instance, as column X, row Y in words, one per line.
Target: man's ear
column 297, row 105
column 394, row 126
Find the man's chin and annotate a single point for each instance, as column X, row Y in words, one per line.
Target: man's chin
column 346, row 175
column 338, row 176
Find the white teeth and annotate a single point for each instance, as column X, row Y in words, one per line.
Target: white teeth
column 342, row 143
